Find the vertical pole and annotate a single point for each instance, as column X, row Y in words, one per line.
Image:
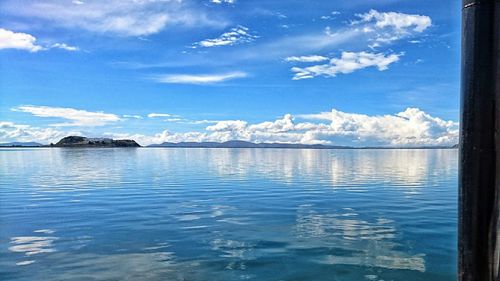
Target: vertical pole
column 479, row 176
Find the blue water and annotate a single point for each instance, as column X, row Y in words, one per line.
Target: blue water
column 227, row 214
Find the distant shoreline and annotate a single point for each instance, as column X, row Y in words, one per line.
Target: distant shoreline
column 84, row 142
column 199, row 147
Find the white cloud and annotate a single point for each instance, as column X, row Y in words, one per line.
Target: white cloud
column 205, row 121
column 198, row 78
column 279, row 126
column 331, row 15
column 24, row 41
column 132, row 116
column 18, row 40
column 77, row 117
column 305, row 42
column 391, row 26
column 236, row 35
column 411, row 127
column 65, row 47
column 347, row 63
column 373, row 28
column 10, row 132
column 223, row 1
column 314, row 58
column 122, row 17
column 362, row 32
column 156, row 115
column 229, row 125
column 398, row 21
column 174, row 119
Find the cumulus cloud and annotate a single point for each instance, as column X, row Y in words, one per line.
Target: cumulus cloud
column 236, row 35
column 398, row 21
column 198, row 78
column 347, row 63
column 229, row 125
column 18, row 40
column 77, row 117
column 122, row 17
column 409, row 128
column 24, row 41
column 391, row 26
column 279, row 126
column 314, row 58
column 24, row 133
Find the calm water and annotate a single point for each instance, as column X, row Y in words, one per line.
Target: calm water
column 227, row 214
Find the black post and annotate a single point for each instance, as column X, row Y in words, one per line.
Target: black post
column 479, row 178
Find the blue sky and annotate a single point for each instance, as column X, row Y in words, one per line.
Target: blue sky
column 335, row 72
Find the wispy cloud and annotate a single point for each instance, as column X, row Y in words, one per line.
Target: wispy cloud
column 198, row 78
column 314, row 58
column 77, row 117
column 204, row 121
column 347, row 63
column 132, row 116
column 331, row 15
column 121, row 17
column 64, row 47
column 372, row 29
column 223, row 1
column 237, row 35
column 156, row 115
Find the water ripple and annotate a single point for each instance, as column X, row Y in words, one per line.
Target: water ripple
column 228, row 214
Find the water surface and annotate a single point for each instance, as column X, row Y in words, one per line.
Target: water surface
column 227, row 214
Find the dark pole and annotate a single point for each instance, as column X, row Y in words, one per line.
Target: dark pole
column 479, row 177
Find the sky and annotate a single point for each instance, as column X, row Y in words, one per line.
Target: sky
column 359, row 73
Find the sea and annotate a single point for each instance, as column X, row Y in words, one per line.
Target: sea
column 228, row 214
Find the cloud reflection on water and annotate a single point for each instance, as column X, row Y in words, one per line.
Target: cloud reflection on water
column 366, row 243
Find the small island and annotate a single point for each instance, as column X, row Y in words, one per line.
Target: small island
column 77, row 141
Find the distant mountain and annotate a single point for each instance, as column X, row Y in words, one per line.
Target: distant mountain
column 77, row 141
column 244, row 144
column 21, row 144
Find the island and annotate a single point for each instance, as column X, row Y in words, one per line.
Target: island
column 77, row 141
column 20, row 144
